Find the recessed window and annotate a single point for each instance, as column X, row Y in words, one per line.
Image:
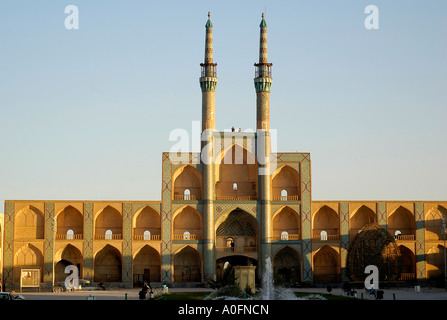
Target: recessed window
column 70, row 234
column 284, row 235
column 284, row 195
column 186, row 235
column 187, row 194
column 147, row 235
column 109, row 235
column 323, row 235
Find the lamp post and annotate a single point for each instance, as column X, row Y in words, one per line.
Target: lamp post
column 445, row 265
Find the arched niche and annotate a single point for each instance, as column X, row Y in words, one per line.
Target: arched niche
column 68, row 255
column 108, row 265
column 108, row 219
column 433, row 222
column 146, row 265
column 237, row 166
column 242, row 228
column 402, row 219
column 27, row 257
column 70, row 219
column 286, row 220
column 326, row 219
column 187, row 265
column 187, row 219
column 286, row 184
column 187, row 183
column 286, row 266
column 362, row 217
column 147, row 219
column 326, row 265
column 29, row 224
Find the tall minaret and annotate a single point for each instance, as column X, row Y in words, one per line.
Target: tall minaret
column 263, row 83
column 208, row 82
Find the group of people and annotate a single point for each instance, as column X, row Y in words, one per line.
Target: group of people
column 233, row 129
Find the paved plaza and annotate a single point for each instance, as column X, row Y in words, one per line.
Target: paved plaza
column 132, row 294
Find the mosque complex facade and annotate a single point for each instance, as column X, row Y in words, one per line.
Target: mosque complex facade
column 235, row 202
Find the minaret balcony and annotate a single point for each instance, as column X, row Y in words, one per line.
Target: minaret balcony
column 263, row 84
column 209, row 70
column 263, row 70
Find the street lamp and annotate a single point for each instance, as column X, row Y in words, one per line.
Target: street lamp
column 445, row 265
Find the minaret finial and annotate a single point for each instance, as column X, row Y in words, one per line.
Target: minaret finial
column 209, row 15
column 262, row 15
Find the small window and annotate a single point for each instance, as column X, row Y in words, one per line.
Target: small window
column 70, row 234
column 397, row 234
column 186, row 235
column 230, row 243
column 187, row 194
column 109, row 235
column 284, row 195
column 235, row 186
column 323, row 235
column 147, row 235
column 284, row 235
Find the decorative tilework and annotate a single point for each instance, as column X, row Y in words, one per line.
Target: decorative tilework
column 381, row 215
column 127, row 242
column 8, row 241
column 88, row 241
column 49, row 242
column 166, row 241
column 344, row 237
column 420, row 240
column 306, row 225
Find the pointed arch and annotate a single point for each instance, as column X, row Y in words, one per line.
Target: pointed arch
column 403, row 220
column 188, row 178
column 108, row 264
column 146, row 265
column 288, row 220
column 326, row 219
column 287, row 265
column 326, row 265
column 187, row 265
column 242, row 228
column 237, row 165
column 29, row 223
column 286, row 180
column 28, row 256
column 108, row 219
column 360, row 218
column 147, row 219
column 69, row 218
column 65, row 256
column 188, row 219
column 433, row 223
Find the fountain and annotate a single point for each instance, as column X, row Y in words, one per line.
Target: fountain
column 269, row 291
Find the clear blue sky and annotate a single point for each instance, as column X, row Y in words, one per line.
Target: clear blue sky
column 86, row 114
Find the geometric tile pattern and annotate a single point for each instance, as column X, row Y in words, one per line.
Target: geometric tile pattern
column 49, row 242
column 88, row 241
column 381, row 214
column 344, row 238
column 8, row 241
column 127, row 242
column 166, row 213
column 420, row 240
